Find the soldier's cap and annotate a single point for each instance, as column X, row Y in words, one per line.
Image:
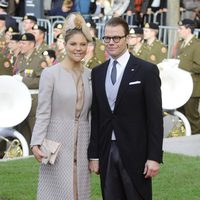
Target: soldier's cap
column 51, row 53
column 3, row 17
column 186, row 22
column 3, row 4
column 27, row 37
column 15, row 37
column 31, row 17
column 12, row 29
column 60, row 36
column 58, row 26
column 41, row 28
column 151, row 26
column 136, row 30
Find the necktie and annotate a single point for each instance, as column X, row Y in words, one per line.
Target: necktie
column 114, row 72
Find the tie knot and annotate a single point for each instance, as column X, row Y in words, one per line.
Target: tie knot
column 115, row 62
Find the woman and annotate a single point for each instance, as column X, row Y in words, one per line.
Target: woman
column 62, row 116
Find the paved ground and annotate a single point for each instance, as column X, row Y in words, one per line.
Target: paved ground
column 187, row 145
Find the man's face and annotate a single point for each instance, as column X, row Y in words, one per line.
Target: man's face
column 13, row 45
column 183, row 32
column 115, row 48
column 56, row 32
column 26, row 46
column 133, row 39
column 27, row 25
column 148, row 33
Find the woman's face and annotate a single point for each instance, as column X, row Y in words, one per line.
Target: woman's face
column 76, row 47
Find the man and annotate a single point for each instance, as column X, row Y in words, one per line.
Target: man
column 127, row 124
column 29, row 66
column 14, row 48
column 157, row 50
column 188, row 52
column 99, row 51
column 28, row 22
column 135, row 43
column 2, row 31
column 39, row 33
column 60, row 48
column 50, row 57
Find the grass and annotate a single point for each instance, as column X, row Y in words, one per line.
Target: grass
column 179, row 179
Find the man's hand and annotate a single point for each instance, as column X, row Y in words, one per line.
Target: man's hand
column 151, row 168
column 94, row 166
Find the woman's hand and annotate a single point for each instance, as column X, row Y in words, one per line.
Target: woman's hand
column 38, row 153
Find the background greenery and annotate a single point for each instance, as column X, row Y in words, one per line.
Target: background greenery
column 179, row 179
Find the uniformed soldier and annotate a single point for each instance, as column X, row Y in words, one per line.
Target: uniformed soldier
column 11, row 30
column 157, row 50
column 136, row 45
column 39, row 33
column 2, row 31
column 50, row 57
column 28, row 22
column 57, row 29
column 60, row 46
column 188, row 51
column 15, row 49
column 29, row 67
column 5, row 66
column 91, row 59
column 99, row 46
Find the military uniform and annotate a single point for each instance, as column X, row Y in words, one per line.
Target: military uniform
column 5, row 66
column 2, row 39
column 100, row 50
column 188, row 52
column 142, row 53
column 93, row 62
column 30, row 70
column 157, row 52
column 40, row 49
column 60, row 55
column 189, row 56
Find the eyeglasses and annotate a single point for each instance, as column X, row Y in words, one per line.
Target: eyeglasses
column 115, row 39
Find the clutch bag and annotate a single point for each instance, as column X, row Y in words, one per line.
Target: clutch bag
column 51, row 149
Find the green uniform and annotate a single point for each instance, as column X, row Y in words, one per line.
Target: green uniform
column 2, row 39
column 157, row 52
column 142, row 53
column 60, row 55
column 100, row 50
column 42, row 48
column 30, row 69
column 5, row 66
column 93, row 62
column 190, row 61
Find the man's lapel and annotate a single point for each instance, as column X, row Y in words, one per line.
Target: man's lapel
column 102, row 83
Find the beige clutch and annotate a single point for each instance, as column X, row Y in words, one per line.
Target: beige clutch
column 50, row 148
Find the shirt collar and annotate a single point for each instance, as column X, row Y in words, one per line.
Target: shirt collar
column 122, row 60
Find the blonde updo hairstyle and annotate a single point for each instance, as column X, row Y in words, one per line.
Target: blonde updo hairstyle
column 73, row 24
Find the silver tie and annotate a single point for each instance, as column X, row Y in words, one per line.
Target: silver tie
column 114, row 72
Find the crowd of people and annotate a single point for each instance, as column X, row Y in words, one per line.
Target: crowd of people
column 123, row 140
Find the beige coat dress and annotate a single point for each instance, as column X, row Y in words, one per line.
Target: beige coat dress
column 55, row 120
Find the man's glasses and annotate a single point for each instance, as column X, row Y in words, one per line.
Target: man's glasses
column 115, row 39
